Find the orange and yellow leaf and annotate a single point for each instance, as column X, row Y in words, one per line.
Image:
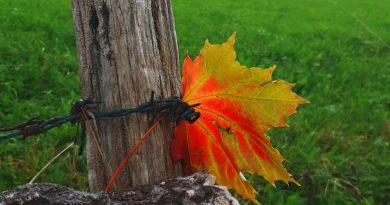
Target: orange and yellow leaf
column 238, row 105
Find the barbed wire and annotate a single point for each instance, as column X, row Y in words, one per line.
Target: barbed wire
column 174, row 108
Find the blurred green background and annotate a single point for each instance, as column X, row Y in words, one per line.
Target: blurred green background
column 337, row 53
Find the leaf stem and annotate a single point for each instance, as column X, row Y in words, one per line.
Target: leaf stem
column 127, row 158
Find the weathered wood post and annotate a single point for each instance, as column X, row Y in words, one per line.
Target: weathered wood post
column 126, row 50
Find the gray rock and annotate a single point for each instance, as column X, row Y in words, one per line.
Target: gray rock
column 192, row 190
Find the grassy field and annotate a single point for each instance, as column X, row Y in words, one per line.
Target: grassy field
column 337, row 53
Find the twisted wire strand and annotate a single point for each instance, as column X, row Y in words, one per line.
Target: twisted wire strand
column 35, row 127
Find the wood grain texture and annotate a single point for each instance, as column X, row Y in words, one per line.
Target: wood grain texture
column 126, row 50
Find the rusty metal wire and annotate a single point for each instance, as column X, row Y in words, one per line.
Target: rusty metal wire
column 174, row 108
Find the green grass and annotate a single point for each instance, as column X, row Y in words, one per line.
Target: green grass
column 337, row 53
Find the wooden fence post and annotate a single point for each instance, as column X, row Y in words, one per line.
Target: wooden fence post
column 127, row 49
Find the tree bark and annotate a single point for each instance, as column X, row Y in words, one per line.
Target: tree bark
column 126, row 50
column 191, row 190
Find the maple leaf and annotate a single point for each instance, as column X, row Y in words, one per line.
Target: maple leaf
column 238, row 105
